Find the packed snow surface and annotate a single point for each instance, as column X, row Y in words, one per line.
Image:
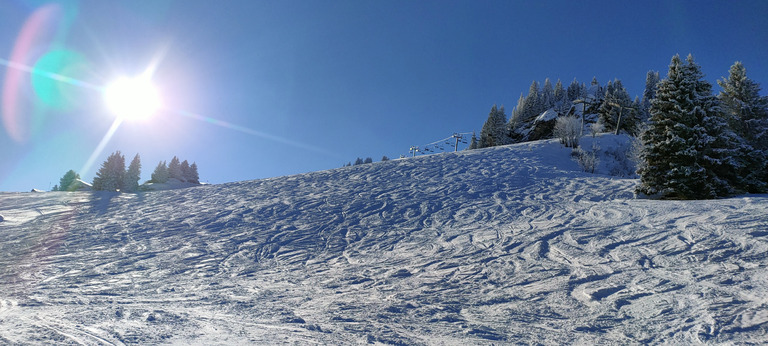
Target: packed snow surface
column 503, row 245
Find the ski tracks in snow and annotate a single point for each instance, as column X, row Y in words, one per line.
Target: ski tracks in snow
column 497, row 245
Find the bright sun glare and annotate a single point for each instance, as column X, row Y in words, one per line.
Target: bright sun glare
column 132, row 98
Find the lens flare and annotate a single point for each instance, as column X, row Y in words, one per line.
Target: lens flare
column 52, row 88
column 39, row 31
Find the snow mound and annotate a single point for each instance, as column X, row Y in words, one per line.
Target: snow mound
column 500, row 245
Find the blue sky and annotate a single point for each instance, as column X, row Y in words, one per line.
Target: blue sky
column 255, row 89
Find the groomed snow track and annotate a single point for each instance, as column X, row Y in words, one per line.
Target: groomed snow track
column 503, row 245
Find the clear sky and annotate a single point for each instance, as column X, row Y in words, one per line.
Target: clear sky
column 254, row 89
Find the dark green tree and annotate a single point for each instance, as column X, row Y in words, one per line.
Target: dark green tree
column 194, row 177
column 174, row 169
column 160, row 175
column 617, row 105
column 494, row 130
column 68, row 181
column 688, row 148
column 745, row 109
column 185, row 171
column 649, row 93
column 111, row 175
column 473, row 143
column 132, row 176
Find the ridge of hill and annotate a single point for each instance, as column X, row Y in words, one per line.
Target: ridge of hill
column 504, row 244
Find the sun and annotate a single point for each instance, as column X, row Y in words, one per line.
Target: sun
column 132, row 98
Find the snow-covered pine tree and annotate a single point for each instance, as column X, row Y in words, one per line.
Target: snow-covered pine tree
column 494, row 131
column 745, row 109
column 473, row 142
column 160, row 175
column 671, row 168
column 185, row 173
column 111, row 175
column 174, row 169
column 547, row 95
column 724, row 152
column 607, row 113
column 574, row 91
column 561, row 103
column 688, row 150
column 515, row 120
column 649, row 93
column 66, row 183
column 533, row 105
column 194, row 177
column 132, row 175
column 617, row 102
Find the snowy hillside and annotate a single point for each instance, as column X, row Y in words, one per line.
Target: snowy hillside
column 509, row 244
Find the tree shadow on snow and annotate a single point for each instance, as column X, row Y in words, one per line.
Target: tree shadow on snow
column 102, row 200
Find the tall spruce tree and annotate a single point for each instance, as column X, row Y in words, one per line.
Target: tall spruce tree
column 532, row 106
column 688, row 149
column 160, row 175
column 185, row 171
column 745, row 109
column 194, row 177
column 561, row 103
column 174, row 169
column 133, row 175
column 649, row 93
column 547, row 95
column 494, row 131
column 111, row 175
column 515, row 120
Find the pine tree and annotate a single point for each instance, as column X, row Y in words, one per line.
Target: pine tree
column 111, row 175
column 688, row 149
column 649, row 93
column 160, row 175
column 132, row 176
column 494, row 131
column 561, row 103
column 617, row 103
column 67, row 182
column 359, row 161
column 515, row 120
column 384, row 158
column 194, row 177
column 368, row 160
column 547, row 95
column 185, row 171
column 745, row 109
column 532, row 107
column 174, row 169
column 473, row 142
column 574, row 91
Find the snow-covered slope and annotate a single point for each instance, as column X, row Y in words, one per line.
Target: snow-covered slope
column 503, row 245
